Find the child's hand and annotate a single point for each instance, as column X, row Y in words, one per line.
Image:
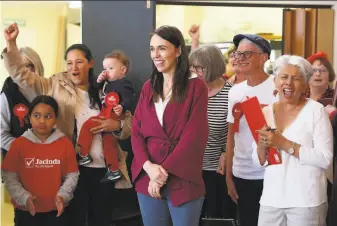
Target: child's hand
column 102, row 77
column 30, row 205
column 59, row 205
column 118, row 110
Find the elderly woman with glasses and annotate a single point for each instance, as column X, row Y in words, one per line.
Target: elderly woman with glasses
column 232, row 76
column 323, row 73
column 208, row 63
column 294, row 192
column 14, row 124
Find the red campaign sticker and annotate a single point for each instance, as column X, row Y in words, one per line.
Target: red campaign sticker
column 21, row 111
column 237, row 111
column 237, row 114
column 111, row 99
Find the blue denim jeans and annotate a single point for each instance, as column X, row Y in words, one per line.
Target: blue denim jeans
column 157, row 212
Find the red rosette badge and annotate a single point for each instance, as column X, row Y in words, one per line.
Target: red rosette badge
column 237, row 114
column 21, row 111
column 111, row 99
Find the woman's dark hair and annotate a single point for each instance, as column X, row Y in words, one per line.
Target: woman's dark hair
column 182, row 72
column 93, row 90
column 43, row 99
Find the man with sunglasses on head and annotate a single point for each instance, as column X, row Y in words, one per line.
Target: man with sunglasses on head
column 245, row 179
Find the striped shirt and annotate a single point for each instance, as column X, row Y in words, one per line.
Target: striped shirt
column 218, row 126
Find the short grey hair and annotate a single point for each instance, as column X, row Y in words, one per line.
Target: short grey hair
column 246, row 40
column 210, row 57
column 302, row 64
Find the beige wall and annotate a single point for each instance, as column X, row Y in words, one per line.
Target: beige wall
column 41, row 31
column 220, row 24
column 2, row 69
column 332, row 3
column 74, row 34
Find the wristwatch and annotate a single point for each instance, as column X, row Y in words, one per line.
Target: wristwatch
column 292, row 149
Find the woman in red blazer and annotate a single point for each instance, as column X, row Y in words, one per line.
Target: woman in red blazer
column 169, row 136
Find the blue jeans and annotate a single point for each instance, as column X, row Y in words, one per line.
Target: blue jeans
column 157, row 212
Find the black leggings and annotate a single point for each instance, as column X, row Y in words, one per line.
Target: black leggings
column 24, row 218
column 92, row 200
column 218, row 203
column 249, row 192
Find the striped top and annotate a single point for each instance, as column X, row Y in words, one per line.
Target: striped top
column 218, row 126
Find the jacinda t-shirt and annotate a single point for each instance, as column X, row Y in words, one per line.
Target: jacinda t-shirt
column 40, row 168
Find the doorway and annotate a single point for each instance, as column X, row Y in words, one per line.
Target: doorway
column 220, row 21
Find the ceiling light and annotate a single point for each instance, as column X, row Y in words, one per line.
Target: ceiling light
column 75, row 4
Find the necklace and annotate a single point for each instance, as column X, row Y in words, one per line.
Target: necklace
column 167, row 93
column 167, row 88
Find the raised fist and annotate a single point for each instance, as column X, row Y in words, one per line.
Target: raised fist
column 11, row 32
column 194, row 31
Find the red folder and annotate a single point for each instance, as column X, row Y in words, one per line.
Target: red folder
column 255, row 119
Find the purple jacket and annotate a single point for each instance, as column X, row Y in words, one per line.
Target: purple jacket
column 178, row 146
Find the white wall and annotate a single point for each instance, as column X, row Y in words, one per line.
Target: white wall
column 332, row 3
column 2, row 68
column 74, row 34
column 265, row 2
column 220, row 24
column 41, row 30
column 223, row 23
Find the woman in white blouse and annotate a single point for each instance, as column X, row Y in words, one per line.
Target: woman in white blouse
column 294, row 192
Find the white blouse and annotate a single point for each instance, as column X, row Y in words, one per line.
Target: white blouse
column 82, row 113
column 160, row 105
column 300, row 182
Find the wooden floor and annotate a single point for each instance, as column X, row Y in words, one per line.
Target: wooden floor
column 7, row 212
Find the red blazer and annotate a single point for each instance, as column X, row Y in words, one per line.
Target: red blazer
column 178, row 146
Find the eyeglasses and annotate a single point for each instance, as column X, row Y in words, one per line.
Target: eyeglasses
column 245, row 54
column 198, row 68
column 321, row 71
column 29, row 66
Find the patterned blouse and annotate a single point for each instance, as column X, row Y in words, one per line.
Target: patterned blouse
column 328, row 93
